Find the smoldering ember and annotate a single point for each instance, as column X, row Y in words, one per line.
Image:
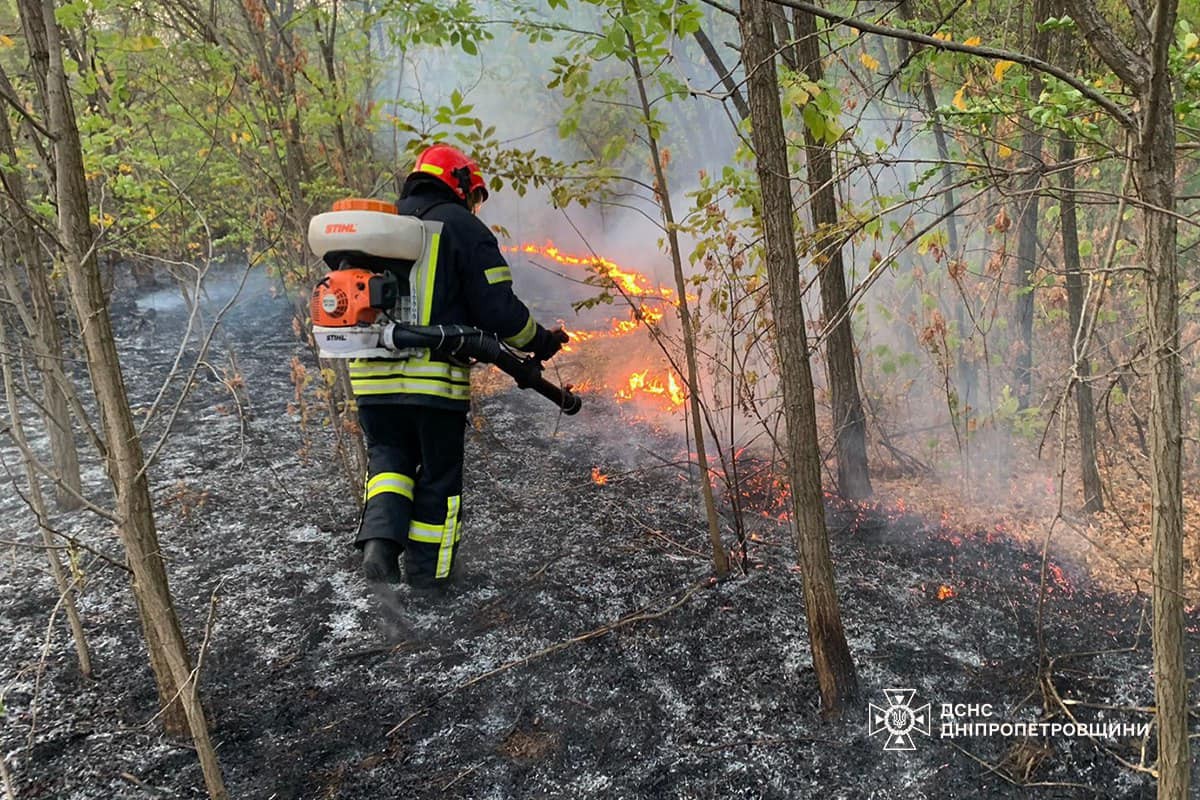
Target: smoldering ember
column 625, row 399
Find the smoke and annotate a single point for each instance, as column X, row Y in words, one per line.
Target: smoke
column 927, row 374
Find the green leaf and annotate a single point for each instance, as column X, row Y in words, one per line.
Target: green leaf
column 814, row 120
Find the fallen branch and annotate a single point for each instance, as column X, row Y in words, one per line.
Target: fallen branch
column 131, row 778
column 462, row 775
column 641, row 615
column 389, row 649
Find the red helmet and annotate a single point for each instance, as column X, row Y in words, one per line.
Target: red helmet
column 452, row 167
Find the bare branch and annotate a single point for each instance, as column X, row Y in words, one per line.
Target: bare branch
column 726, row 75
column 992, row 53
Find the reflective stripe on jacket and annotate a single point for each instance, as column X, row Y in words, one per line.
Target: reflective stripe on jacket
column 467, row 282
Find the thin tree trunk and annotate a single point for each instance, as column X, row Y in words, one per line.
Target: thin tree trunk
column 1144, row 67
column 966, row 368
column 125, row 463
column 65, row 586
column 849, row 422
column 832, row 661
column 1028, row 198
column 1081, row 373
column 42, row 327
column 723, row 73
column 1155, row 172
column 719, row 557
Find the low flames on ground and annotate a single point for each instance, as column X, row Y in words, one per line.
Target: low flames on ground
column 750, row 486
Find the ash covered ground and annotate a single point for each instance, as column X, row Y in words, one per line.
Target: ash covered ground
column 319, row 687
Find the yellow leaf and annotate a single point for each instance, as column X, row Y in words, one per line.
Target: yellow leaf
column 868, row 61
column 958, row 100
column 1004, row 151
column 1001, row 68
column 974, row 41
column 945, row 37
column 5, row 41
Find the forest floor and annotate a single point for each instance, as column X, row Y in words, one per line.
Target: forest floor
column 584, row 652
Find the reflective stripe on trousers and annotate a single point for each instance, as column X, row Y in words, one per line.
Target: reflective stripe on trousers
column 446, row 535
column 390, row 482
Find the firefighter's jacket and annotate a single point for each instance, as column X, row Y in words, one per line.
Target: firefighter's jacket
column 471, row 285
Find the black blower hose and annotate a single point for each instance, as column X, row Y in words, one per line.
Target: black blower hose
column 463, row 341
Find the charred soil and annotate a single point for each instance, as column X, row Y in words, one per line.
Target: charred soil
column 583, row 652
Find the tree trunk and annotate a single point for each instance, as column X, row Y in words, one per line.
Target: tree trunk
column 832, row 662
column 1093, row 500
column 967, row 374
column 1155, row 171
column 125, row 463
column 66, row 587
column 42, row 328
column 719, row 557
column 1027, row 221
column 1144, row 67
column 849, row 422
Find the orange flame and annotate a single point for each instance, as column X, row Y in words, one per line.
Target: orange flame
column 598, row 477
column 619, row 327
column 650, row 310
column 946, row 592
column 639, row 384
column 629, row 282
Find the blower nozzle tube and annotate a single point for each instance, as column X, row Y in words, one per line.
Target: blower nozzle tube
column 463, row 341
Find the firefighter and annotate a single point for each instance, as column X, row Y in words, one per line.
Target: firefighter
column 413, row 411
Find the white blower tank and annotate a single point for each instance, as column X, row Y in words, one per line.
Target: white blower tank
column 371, row 227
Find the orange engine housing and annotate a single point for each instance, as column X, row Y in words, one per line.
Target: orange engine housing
column 344, row 299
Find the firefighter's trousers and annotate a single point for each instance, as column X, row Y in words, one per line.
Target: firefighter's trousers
column 414, row 485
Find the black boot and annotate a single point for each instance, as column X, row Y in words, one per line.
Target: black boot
column 380, row 561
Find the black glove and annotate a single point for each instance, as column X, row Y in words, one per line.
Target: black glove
column 546, row 343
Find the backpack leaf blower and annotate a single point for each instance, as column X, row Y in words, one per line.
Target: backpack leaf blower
column 360, row 310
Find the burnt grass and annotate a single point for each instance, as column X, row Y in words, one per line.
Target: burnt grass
column 321, row 687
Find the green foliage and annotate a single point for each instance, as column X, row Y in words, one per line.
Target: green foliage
column 1026, row 423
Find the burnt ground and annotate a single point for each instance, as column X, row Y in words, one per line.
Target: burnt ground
column 320, row 688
